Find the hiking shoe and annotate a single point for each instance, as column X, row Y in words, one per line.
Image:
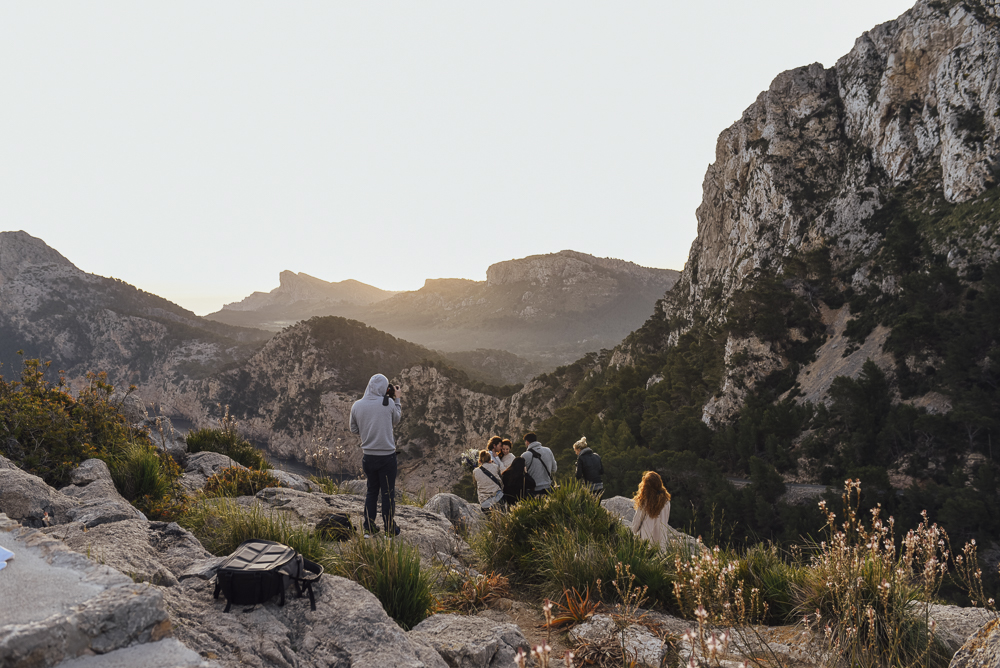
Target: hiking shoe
column 371, row 531
column 392, row 530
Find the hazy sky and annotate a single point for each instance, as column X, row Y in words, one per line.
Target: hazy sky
column 197, row 149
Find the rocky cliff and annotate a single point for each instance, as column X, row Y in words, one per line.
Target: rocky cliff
column 815, row 182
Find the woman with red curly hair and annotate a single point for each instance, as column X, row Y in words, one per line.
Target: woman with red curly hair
column 652, row 510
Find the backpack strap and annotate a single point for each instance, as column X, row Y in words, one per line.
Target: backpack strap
column 311, row 573
column 491, row 476
column 538, row 456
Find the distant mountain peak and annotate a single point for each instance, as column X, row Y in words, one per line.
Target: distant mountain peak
column 301, row 287
column 19, row 250
column 568, row 266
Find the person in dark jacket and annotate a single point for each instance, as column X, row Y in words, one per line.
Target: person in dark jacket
column 517, row 484
column 588, row 466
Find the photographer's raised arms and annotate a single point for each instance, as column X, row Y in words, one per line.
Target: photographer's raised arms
column 372, row 417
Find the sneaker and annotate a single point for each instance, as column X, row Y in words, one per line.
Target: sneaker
column 370, row 531
column 393, row 530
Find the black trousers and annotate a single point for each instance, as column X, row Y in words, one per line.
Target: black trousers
column 381, row 473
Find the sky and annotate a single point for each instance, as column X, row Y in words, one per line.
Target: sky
column 196, row 150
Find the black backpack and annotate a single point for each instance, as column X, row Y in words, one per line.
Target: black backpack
column 260, row 569
column 336, row 526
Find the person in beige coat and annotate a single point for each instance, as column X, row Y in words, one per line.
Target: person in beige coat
column 652, row 511
column 488, row 482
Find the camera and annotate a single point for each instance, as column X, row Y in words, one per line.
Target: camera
column 390, row 393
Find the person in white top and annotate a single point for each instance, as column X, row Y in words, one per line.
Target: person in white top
column 506, row 456
column 652, row 511
column 488, row 482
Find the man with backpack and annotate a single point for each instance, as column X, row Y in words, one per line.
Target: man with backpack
column 372, row 418
column 541, row 463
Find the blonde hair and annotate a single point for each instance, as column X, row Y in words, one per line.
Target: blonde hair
column 580, row 445
column 652, row 495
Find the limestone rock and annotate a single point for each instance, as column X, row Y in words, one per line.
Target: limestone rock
column 203, row 465
column 57, row 604
column 982, row 649
column 348, row 629
column 647, row 648
column 90, row 470
column 26, row 498
column 294, row 481
column 467, row 642
column 464, row 516
column 353, row 487
column 623, row 507
column 953, row 625
column 168, row 653
column 160, row 553
column 100, row 502
column 429, row 532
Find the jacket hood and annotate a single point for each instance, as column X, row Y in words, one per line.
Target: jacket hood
column 376, row 387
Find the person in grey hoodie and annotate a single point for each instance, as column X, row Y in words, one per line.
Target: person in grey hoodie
column 541, row 463
column 372, row 417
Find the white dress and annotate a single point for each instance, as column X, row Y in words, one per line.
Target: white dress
column 654, row 529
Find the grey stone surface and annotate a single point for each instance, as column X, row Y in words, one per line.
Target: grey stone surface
column 26, row 498
column 470, row 642
column 981, row 649
column 348, row 629
column 463, row 515
column 100, row 503
column 203, row 465
column 90, row 608
column 429, row 532
column 168, row 653
column 90, row 470
column 623, row 507
column 294, row 481
column 156, row 552
column 353, row 487
column 648, row 650
column 954, row 625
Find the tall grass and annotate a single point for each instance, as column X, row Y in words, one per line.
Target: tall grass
column 227, row 441
column 567, row 540
column 222, row 525
column 390, row 569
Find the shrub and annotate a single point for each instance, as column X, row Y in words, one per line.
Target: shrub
column 227, row 441
column 390, row 569
column 222, row 525
column 236, row 481
column 870, row 600
column 567, row 540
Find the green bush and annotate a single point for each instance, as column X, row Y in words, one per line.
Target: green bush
column 222, row 525
column 568, row 540
column 227, row 441
column 390, row 569
column 48, row 432
column 236, row 481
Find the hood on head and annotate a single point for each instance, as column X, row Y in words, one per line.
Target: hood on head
column 376, row 387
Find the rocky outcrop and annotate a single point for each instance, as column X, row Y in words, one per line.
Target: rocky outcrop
column 468, row 642
column 982, row 649
column 27, row 499
column 301, row 287
column 639, row 642
column 203, row 465
column 58, row 605
column 463, row 515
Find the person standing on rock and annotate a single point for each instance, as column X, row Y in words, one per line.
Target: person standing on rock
column 541, row 463
column 588, row 466
column 372, row 417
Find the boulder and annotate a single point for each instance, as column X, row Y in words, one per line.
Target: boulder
column 203, row 465
column 470, row 642
column 464, row 516
column 294, row 481
column 353, row 487
column 168, row 653
column 26, row 498
column 58, row 605
column 620, row 506
column 100, row 501
column 954, row 625
column 160, row 553
column 981, row 649
column 348, row 629
column 429, row 532
column 648, row 650
column 90, row 470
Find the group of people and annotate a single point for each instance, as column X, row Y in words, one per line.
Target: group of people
column 502, row 479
